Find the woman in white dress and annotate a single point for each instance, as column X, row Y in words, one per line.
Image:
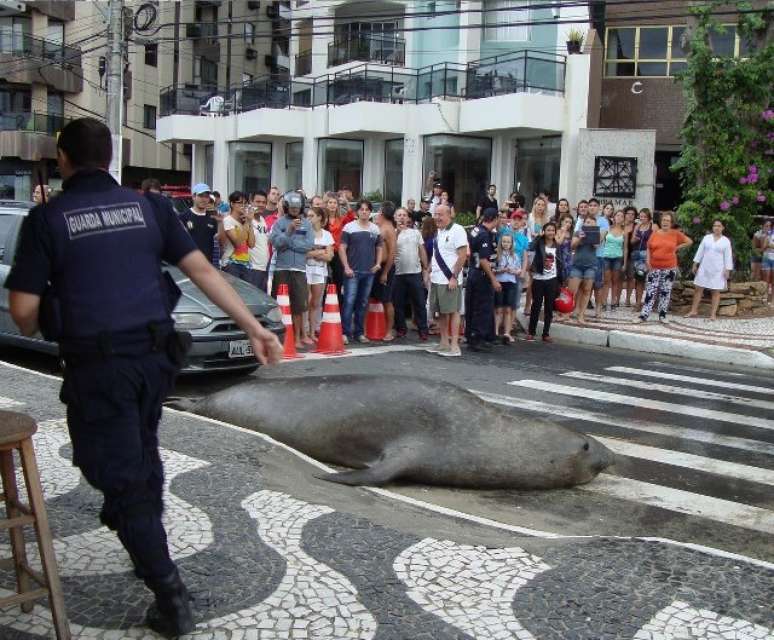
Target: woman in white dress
column 711, row 267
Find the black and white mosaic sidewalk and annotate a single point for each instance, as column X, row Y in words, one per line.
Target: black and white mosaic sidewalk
column 269, row 552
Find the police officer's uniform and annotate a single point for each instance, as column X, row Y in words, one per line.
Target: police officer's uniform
column 108, row 304
column 479, row 293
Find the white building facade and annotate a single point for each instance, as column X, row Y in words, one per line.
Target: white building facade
column 388, row 96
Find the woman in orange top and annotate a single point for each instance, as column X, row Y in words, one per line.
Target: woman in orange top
column 661, row 261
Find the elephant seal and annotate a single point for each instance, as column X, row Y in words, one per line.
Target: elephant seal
column 389, row 428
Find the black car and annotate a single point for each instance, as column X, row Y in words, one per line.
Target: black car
column 218, row 343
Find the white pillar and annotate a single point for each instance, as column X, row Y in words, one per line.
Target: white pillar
column 278, row 172
column 220, row 164
column 470, row 38
column 321, row 24
column 576, row 104
column 412, row 168
column 198, row 163
column 373, row 165
column 309, row 165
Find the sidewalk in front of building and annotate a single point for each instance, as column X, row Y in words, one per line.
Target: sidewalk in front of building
column 746, row 342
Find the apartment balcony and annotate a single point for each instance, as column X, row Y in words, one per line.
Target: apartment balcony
column 378, row 49
column 29, row 136
column 25, row 59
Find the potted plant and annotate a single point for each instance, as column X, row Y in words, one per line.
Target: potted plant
column 574, row 40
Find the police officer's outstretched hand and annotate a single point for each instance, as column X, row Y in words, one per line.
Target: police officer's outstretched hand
column 266, row 345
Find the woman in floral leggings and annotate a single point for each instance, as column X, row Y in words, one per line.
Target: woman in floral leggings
column 663, row 246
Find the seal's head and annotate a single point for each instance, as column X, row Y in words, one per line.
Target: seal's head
column 593, row 458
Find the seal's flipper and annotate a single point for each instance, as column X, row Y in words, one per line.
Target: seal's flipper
column 381, row 472
column 182, row 404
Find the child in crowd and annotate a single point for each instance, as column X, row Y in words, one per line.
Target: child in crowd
column 508, row 274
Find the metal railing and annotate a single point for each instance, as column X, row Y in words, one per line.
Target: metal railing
column 519, row 72
column 46, row 123
column 304, row 63
column 25, row 45
column 368, row 48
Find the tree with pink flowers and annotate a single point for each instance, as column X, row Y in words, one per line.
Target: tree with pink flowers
column 727, row 161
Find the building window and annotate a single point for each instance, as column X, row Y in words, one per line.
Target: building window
column 250, row 32
column 294, row 160
column 151, row 54
column 658, row 51
column 149, row 116
column 205, row 72
column 501, row 18
column 537, row 167
column 462, row 164
column 340, row 164
column 393, row 170
column 252, row 166
column 14, row 33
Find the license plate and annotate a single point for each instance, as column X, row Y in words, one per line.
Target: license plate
column 240, row 349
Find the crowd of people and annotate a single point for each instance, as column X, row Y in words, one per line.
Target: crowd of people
column 419, row 262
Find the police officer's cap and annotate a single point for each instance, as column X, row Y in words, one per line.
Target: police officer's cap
column 489, row 215
column 293, row 200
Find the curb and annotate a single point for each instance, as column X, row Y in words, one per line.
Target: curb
column 616, row 339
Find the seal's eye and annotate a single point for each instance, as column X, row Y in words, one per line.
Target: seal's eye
column 586, row 447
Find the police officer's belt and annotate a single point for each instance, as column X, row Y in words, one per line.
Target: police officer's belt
column 131, row 343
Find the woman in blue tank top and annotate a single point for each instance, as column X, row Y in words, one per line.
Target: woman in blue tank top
column 614, row 254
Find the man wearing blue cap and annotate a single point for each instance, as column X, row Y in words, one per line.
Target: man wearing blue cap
column 198, row 221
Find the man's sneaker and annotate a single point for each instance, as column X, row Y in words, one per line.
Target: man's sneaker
column 451, row 353
column 423, row 336
column 664, row 320
column 363, row 340
column 400, row 333
column 530, row 338
column 483, row 347
column 548, row 339
column 345, row 339
column 170, row 615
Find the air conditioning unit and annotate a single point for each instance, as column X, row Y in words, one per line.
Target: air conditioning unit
column 251, row 54
column 253, row 5
column 268, row 60
column 272, row 11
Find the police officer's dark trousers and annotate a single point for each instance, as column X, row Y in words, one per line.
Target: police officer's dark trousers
column 479, row 308
column 113, row 412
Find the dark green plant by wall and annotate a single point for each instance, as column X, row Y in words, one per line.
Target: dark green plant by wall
column 727, row 161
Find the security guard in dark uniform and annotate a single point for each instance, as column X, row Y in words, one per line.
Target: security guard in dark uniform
column 481, row 284
column 88, row 272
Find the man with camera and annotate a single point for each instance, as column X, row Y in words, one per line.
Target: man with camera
column 292, row 237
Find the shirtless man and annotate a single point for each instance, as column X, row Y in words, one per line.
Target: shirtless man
column 385, row 279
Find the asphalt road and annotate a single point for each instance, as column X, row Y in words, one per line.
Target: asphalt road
column 695, row 442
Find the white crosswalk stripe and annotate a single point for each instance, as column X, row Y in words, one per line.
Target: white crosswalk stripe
column 656, row 405
column 705, row 382
column 647, row 385
column 694, row 504
column 685, row 433
column 696, row 453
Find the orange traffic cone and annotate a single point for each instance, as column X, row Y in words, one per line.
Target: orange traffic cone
column 331, row 339
column 376, row 325
column 283, row 300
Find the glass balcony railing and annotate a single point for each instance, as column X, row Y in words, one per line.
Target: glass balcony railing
column 520, row 72
column 368, row 48
column 26, row 46
column 50, row 124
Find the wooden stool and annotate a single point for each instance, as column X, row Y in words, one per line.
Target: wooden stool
column 16, row 430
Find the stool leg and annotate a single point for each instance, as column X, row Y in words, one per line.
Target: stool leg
column 23, row 580
column 45, row 544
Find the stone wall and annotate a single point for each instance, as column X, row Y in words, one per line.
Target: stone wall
column 741, row 299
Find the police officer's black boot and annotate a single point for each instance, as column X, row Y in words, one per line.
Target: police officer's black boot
column 171, row 614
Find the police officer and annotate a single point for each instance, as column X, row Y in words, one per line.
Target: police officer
column 481, row 284
column 88, row 273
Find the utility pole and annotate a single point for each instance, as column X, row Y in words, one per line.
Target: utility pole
column 115, row 82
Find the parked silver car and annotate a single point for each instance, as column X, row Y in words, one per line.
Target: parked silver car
column 218, row 343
